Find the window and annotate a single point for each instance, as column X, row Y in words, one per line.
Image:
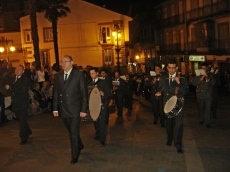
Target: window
column 223, row 35
column 108, row 56
column 28, row 36
column 48, row 34
column 105, row 34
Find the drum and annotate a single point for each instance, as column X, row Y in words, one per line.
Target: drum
column 173, row 106
column 94, row 103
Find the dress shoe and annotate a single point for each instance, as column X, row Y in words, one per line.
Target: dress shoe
column 23, row 142
column 201, row 122
column 214, row 117
column 180, row 151
column 74, row 161
column 155, row 122
column 168, row 144
column 96, row 138
column 208, row 126
column 162, row 126
column 102, row 143
column 81, row 147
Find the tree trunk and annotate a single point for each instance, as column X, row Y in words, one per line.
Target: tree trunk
column 34, row 32
column 55, row 39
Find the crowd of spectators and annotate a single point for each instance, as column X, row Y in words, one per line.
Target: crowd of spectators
column 40, row 91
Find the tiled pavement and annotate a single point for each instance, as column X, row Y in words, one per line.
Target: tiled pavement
column 133, row 144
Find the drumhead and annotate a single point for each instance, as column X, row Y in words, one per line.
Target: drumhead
column 170, row 104
column 94, row 103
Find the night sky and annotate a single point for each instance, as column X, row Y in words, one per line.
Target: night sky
column 124, row 6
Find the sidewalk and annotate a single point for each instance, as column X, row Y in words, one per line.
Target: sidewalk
column 133, row 144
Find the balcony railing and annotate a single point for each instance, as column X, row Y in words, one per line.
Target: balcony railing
column 220, row 46
column 174, row 20
column 208, row 10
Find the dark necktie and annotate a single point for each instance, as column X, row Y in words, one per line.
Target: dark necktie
column 16, row 79
column 94, row 83
column 66, row 76
column 170, row 80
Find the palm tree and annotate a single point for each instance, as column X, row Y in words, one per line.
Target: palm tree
column 34, row 31
column 55, row 9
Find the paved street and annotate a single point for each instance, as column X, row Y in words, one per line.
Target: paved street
column 133, row 144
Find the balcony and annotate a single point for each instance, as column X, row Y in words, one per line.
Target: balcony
column 174, row 20
column 207, row 47
column 219, row 7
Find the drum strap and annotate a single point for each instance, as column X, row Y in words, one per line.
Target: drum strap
column 95, row 83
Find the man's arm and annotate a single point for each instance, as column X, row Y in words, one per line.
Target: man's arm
column 55, row 95
column 84, row 93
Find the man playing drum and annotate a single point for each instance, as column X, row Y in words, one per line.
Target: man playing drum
column 104, row 89
column 172, row 85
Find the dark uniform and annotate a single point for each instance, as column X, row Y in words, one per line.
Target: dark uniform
column 215, row 94
column 100, row 123
column 20, row 104
column 157, row 103
column 128, row 93
column 174, row 125
column 70, row 97
column 119, row 96
column 204, row 95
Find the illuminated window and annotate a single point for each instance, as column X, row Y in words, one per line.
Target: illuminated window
column 108, row 56
column 48, row 34
column 105, row 34
column 28, row 36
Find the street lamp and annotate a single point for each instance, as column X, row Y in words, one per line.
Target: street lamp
column 5, row 43
column 117, row 49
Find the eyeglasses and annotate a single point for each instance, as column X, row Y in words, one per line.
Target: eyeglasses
column 65, row 61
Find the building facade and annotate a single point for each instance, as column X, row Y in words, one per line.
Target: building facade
column 90, row 34
column 192, row 31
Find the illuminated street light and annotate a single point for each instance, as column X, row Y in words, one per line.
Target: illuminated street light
column 2, row 49
column 117, row 49
column 5, row 43
column 12, row 48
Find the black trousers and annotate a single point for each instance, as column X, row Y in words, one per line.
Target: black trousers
column 73, row 126
column 25, row 130
column 157, row 107
column 174, row 127
column 119, row 100
column 2, row 106
column 128, row 99
column 100, row 126
column 205, row 109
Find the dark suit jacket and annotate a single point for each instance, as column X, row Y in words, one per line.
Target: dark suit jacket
column 70, row 97
column 103, row 86
column 121, row 88
column 20, row 93
column 204, row 89
column 169, row 90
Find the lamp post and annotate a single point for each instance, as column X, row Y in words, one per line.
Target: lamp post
column 5, row 44
column 117, row 49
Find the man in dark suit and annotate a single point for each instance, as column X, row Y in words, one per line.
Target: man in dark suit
column 20, row 102
column 169, row 85
column 119, row 93
column 128, row 95
column 103, row 86
column 204, row 93
column 157, row 101
column 108, row 79
column 70, row 101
